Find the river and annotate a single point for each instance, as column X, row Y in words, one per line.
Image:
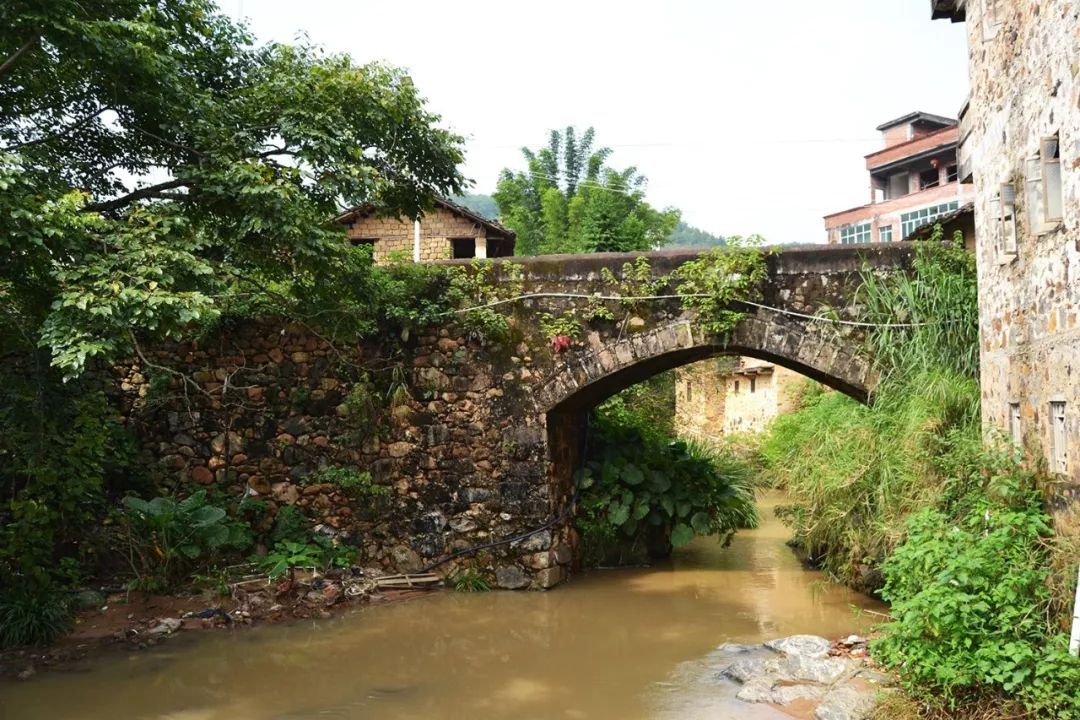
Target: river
column 609, row 644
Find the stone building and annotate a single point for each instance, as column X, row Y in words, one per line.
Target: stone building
column 729, row 395
column 914, row 181
column 449, row 231
column 1020, row 137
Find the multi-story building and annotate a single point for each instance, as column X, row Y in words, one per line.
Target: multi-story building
column 913, row 182
column 729, row 395
column 1020, row 135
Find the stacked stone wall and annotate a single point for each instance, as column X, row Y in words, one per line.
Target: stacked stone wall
column 395, row 237
column 1025, row 86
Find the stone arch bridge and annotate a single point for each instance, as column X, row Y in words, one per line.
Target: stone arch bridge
column 485, row 448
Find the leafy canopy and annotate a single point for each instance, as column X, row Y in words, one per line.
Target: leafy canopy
column 158, row 169
column 568, row 200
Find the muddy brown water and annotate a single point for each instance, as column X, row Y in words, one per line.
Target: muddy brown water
column 610, row 644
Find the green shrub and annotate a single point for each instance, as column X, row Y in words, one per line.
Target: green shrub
column 169, row 539
column 290, row 524
column 469, row 581
column 970, row 597
column 321, row 553
column 352, row 482
column 33, row 614
column 640, row 492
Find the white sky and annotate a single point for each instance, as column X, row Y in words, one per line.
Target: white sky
column 748, row 115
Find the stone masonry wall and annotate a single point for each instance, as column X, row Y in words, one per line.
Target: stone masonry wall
column 485, row 444
column 1024, row 70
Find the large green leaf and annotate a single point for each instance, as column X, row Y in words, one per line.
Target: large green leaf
column 681, row 534
column 632, row 474
column 207, row 515
column 701, row 522
column 618, row 513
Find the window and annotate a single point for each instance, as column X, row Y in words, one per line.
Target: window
column 464, row 247
column 885, row 233
column 753, row 384
column 1043, row 180
column 898, row 185
column 912, row 221
column 1059, row 456
column 991, row 18
column 851, row 234
column 689, row 391
column 1014, row 423
column 736, row 387
column 1003, row 209
column 928, row 178
column 951, row 174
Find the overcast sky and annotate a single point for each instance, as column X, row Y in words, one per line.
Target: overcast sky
column 747, row 116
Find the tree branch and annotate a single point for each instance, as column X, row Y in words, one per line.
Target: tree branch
column 140, row 194
column 27, row 47
column 62, row 133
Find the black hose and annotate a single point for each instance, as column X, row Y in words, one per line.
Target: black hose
column 558, row 519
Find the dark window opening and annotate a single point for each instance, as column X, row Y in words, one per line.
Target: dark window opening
column 736, row 387
column 753, row 384
column 464, row 248
column 928, row 178
column 500, row 248
column 951, row 173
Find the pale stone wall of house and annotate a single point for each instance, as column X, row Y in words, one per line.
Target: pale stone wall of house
column 744, row 395
column 700, row 399
column 394, row 237
column 1023, row 68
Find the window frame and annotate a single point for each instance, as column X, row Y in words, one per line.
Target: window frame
column 1003, row 210
column 856, row 233
column 1016, row 430
column 991, row 19
column 1051, row 167
column 882, row 231
column 933, row 212
column 1059, row 437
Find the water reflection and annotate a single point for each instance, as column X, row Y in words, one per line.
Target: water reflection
column 612, row 644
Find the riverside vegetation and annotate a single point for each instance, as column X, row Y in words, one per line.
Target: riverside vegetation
column 903, row 498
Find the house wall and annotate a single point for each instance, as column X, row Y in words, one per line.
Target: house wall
column 394, row 235
column 708, row 405
column 1023, row 78
column 888, row 213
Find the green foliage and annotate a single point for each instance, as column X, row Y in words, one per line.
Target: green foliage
column 290, row 524
column 33, row 614
column 639, row 490
column 169, row 539
column 258, row 148
column 569, row 201
column 62, row 450
column 969, row 595
column 321, row 554
column 688, row 236
column 351, row 481
column 554, row 325
column 855, row 473
column 713, row 283
column 469, row 581
column 475, row 286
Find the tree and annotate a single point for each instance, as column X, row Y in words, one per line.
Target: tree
column 569, row 201
column 159, row 171
column 483, row 205
column 688, row 236
column 157, row 168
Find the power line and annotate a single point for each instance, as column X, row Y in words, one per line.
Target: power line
column 791, row 313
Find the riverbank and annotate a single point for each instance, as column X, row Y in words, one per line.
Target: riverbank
column 138, row 621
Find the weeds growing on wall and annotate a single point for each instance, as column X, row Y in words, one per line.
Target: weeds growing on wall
column 714, row 283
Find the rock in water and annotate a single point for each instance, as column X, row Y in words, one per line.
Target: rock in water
column 806, row 645
column 845, row 703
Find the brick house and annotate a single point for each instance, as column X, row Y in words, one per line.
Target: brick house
column 448, row 231
column 913, row 182
column 1020, row 137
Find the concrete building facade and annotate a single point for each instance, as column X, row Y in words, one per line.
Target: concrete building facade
column 449, row 231
column 728, row 395
column 914, row 181
column 1020, row 135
